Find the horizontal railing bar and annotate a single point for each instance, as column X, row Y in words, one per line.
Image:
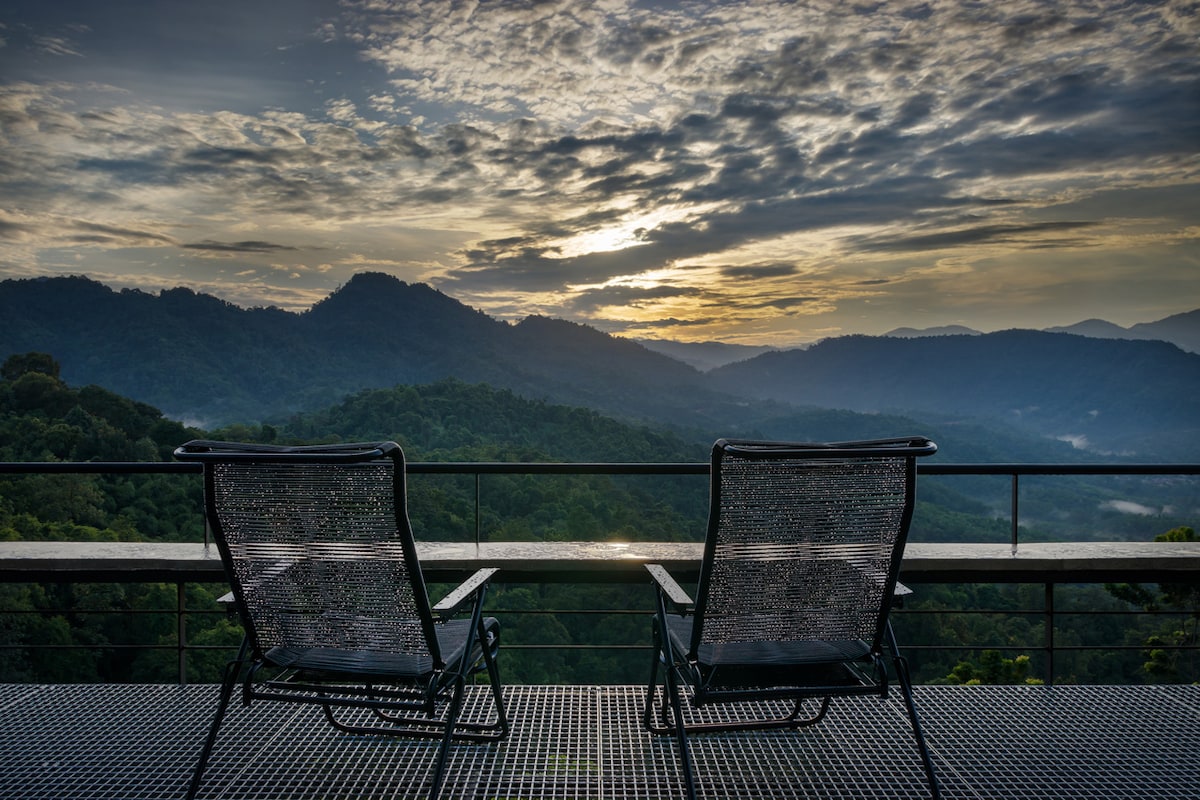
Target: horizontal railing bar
column 115, row 646
column 1031, row 647
column 1041, row 612
column 1059, row 469
column 1035, row 648
column 511, row 646
column 599, row 468
column 554, row 468
column 103, row 467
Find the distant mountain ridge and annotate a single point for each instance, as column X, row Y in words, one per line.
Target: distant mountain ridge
column 207, row 362
column 1181, row 330
column 1118, row 396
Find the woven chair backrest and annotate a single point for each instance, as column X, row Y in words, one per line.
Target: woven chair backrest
column 804, row 543
column 320, row 552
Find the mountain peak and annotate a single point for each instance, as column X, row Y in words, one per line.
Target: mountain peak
column 366, row 284
column 1094, row 328
column 377, row 296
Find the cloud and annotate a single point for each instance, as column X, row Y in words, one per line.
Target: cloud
column 56, row 46
column 759, row 271
column 1130, row 507
column 590, row 300
column 95, row 233
column 237, row 247
column 765, row 155
column 1032, row 234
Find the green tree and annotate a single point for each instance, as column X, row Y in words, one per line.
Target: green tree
column 17, row 365
column 992, row 668
column 1170, row 646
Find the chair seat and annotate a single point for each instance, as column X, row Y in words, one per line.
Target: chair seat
column 767, row 663
column 333, row 662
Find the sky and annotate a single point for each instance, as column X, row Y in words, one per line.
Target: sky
column 747, row 172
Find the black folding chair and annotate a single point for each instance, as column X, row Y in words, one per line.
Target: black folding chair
column 800, row 561
column 318, row 549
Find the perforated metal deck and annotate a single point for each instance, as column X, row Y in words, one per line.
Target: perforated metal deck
column 108, row 741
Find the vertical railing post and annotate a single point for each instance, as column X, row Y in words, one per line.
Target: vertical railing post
column 181, row 630
column 1048, row 635
column 477, row 522
column 1015, row 504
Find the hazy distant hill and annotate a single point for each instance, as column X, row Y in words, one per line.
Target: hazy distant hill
column 1095, row 328
column 704, row 355
column 1114, row 395
column 208, row 362
column 1182, row 330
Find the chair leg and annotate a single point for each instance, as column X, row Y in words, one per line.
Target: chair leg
column 652, row 686
column 902, row 672
column 685, row 754
column 228, row 681
column 794, row 718
column 493, row 671
column 443, row 756
column 659, row 658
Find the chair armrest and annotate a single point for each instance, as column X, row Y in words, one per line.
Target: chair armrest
column 228, row 602
column 449, row 604
column 667, row 585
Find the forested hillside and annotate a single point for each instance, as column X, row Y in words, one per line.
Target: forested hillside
column 204, row 360
column 43, row 418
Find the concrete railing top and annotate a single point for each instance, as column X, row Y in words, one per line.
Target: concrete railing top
column 540, row 562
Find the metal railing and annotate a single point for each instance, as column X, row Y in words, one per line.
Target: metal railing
column 1049, row 647
column 477, row 469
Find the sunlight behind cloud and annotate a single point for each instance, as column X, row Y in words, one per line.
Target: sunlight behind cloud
column 631, row 233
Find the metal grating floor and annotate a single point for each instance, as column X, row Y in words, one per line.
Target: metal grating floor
column 97, row 742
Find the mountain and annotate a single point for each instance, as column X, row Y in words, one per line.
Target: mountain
column 1112, row 396
column 206, row 362
column 1182, row 330
column 1095, row 328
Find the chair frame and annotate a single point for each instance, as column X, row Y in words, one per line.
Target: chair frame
column 403, row 702
column 685, row 673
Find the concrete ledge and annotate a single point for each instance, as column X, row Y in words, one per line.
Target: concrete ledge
column 589, row 562
column 1060, row 562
